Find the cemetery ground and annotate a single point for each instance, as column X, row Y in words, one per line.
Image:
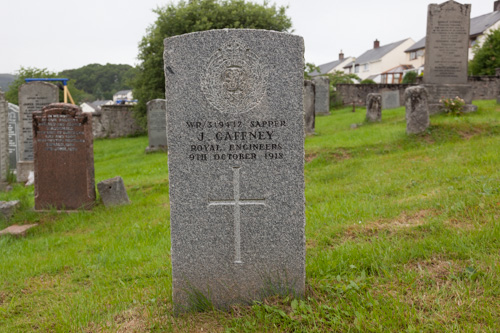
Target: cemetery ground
column 403, row 235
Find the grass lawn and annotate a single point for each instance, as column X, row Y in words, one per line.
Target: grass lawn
column 403, row 235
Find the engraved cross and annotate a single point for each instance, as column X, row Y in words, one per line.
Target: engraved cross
column 237, row 202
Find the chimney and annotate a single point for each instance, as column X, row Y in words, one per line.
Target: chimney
column 341, row 54
column 376, row 43
column 496, row 6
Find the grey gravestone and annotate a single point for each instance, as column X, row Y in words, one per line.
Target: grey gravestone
column 13, row 130
column 446, row 54
column 33, row 96
column 157, row 125
column 309, row 107
column 113, row 192
column 390, row 99
column 417, row 110
column 235, row 129
column 322, row 93
column 4, row 138
column 373, row 107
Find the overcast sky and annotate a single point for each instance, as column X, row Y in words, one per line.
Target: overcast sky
column 62, row 34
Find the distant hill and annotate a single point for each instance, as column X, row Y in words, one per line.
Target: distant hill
column 5, row 80
column 101, row 81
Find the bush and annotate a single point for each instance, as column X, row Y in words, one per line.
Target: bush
column 410, row 77
column 452, row 106
column 368, row 81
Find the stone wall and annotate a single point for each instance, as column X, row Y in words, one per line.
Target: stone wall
column 359, row 92
column 483, row 87
column 114, row 121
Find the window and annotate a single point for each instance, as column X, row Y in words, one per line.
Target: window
column 472, row 41
column 356, row 69
column 413, row 55
column 366, row 67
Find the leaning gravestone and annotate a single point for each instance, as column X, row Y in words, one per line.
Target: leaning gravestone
column 4, row 138
column 373, row 107
column 13, row 130
column 235, row 131
column 390, row 99
column 446, row 54
column 157, row 125
column 64, row 158
column 309, row 107
column 33, row 96
column 322, row 95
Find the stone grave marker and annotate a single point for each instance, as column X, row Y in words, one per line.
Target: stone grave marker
column 157, row 125
column 4, row 138
column 374, row 107
column 64, row 158
column 235, row 129
column 322, row 95
column 309, row 107
column 446, row 54
column 390, row 99
column 33, row 96
column 13, row 130
column 417, row 110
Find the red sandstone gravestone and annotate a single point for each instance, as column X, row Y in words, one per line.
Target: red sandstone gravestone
column 64, row 158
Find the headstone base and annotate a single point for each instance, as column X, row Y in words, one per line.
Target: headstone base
column 23, row 170
column 153, row 149
column 439, row 91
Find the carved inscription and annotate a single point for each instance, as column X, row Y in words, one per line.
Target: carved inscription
column 236, row 201
column 234, row 79
column 449, row 37
column 13, row 118
column 34, row 103
column 60, row 132
column 236, row 140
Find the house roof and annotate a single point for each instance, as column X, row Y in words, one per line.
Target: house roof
column 122, row 92
column 378, row 53
column 325, row 68
column 96, row 104
column 398, row 69
column 479, row 24
column 417, row 46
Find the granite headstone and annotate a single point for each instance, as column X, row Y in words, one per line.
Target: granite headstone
column 390, row 99
column 446, row 54
column 373, row 107
column 322, row 95
column 13, row 130
column 309, row 107
column 157, row 125
column 33, row 96
column 235, row 129
column 64, row 158
column 4, row 138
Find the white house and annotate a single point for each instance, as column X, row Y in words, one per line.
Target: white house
column 480, row 27
column 333, row 66
column 372, row 63
column 123, row 96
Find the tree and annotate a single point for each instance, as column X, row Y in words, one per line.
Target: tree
column 410, row 77
column 191, row 16
column 487, row 57
column 309, row 69
column 339, row 77
column 36, row 73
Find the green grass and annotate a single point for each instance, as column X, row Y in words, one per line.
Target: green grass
column 403, row 235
